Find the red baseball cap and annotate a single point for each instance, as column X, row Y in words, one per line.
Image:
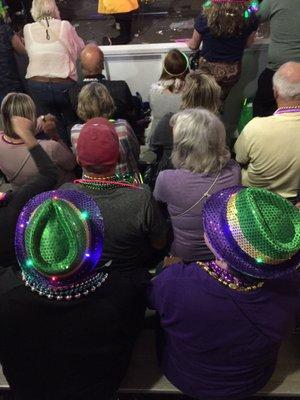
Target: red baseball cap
column 98, row 144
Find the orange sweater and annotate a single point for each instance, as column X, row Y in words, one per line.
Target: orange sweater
column 117, row 6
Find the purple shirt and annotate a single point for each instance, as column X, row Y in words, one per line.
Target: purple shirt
column 181, row 189
column 217, row 342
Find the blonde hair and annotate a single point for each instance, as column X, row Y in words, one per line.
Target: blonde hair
column 95, row 101
column 201, row 90
column 16, row 105
column 199, row 141
column 44, row 8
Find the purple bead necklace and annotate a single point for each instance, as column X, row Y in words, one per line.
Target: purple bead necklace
column 287, row 110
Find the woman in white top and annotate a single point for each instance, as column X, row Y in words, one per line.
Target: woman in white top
column 53, row 47
column 165, row 95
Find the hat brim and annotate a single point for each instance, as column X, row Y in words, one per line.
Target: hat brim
column 221, row 240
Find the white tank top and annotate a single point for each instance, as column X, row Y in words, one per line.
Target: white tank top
column 54, row 58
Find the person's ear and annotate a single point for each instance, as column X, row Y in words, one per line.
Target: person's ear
column 275, row 92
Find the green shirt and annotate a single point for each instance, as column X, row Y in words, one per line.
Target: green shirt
column 284, row 17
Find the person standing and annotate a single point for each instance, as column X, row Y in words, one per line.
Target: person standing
column 224, row 28
column 123, row 12
column 10, row 42
column 284, row 17
column 53, row 47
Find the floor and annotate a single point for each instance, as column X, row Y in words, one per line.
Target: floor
column 153, row 26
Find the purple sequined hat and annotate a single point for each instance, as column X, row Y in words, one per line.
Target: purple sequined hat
column 59, row 241
column 255, row 231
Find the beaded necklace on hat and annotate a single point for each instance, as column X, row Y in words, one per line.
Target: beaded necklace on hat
column 226, row 278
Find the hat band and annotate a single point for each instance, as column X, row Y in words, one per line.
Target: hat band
column 241, row 240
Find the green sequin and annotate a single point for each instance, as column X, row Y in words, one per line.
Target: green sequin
column 273, row 227
column 56, row 237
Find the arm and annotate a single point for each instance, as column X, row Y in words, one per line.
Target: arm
column 46, row 178
column 62, row 156
column 155, row 226
column 250, row 39
column 195, row 41
column 241, row 149
column 18, row 45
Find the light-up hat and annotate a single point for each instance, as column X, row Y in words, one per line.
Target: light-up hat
column 255, row 231
column 59, row 241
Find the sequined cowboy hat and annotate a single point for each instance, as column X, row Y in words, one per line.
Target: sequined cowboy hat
column 59, row 241
column 255, row 231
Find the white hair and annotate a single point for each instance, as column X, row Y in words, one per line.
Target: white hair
column 284, row 81
column 199, row 141
column 43, row 8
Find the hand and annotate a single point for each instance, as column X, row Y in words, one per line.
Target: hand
column 23, row 127
column 298, row 205
column 49, row 127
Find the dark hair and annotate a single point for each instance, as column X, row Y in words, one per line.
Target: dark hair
column 175, row 65
column 227, row 19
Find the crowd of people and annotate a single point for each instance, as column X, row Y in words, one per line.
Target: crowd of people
column 208, row 235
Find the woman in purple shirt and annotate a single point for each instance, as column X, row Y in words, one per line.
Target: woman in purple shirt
column 223, row 321
column 203, row 167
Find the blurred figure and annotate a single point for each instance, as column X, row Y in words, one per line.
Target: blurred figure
column 92, row 66
column 123, row 12
column 15, row 161
column 165, row 95
column 202, row 167
column 10, row 42
column 200, row 91
column 284, row 17
column 134, row 228
column 53, row 47
column 81, row 322
column 95, row 101
column 225, row 28
column 223, row 321
column 269, row 147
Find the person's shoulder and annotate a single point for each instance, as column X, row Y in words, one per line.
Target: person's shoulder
column 256, row 124
column 115, row 84
column 178, row 272
column 232, row 165
column 68, row 186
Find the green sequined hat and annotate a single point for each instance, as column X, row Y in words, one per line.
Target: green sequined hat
column 255, row 231
column 59, row 240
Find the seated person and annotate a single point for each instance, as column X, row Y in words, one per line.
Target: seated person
column 165, row 95
column 202, row 167
column 95, row 101
column 230, row 316
column 12, row 203
column 68, row 328
column 92, row 66
column 134, row 227
column 16, row 162
column 200, row 90
column 269, row 147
